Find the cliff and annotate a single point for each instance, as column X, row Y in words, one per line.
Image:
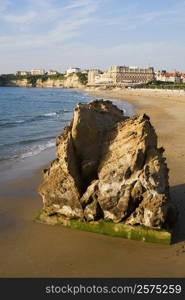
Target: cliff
column 20, row 83
column 72, row 81
column 68, row 82
column 108, row 168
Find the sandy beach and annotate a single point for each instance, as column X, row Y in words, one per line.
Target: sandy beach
column 29, row 249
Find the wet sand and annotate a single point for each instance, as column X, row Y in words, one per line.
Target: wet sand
column 29, row 249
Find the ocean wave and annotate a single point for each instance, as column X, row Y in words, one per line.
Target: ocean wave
column 50, row 114
column 36, row 149
column 34, row 140
column 28, row 141
column 9, row 124
column 42, row 117
column 28, row 151
column 19, row 121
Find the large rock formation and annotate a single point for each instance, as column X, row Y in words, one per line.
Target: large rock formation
column 108, row 167
column 67, row 82
column 71, row 81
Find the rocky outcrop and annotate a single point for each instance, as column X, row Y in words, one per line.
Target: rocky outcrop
column 61, row 187
column 108, row 167
column 50, row 83
column 71, row 81
column 20, row 83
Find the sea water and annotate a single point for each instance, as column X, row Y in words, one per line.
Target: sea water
column 31, row 118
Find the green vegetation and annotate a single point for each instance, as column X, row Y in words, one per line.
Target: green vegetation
column 82, row 78
column 57, row 76
column 162, row 85
column 116, row 230
column 6, row 79
column 124, row 231
column 32, row 79
column 44, row 78
column 37, row 216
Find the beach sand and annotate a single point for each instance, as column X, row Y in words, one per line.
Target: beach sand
column 30, row 249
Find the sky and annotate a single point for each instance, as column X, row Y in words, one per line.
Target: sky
column 57, row 34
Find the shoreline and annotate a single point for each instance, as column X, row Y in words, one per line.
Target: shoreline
column 35, row 250
column 24, row 166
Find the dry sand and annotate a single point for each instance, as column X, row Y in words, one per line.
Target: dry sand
column 29, row 249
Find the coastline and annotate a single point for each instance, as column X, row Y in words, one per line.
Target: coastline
column 37, row 250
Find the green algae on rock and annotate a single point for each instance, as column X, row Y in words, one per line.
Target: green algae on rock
column 121, row 230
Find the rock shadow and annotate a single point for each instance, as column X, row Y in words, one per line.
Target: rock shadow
column 178, row 198
column 7, row 221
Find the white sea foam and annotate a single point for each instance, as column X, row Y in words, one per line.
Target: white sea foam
column 19, row 121
column 36, row 149
column 50, row 114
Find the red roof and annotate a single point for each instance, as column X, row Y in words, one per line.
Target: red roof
column 175, row 74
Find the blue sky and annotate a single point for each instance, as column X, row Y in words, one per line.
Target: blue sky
column 91, row 33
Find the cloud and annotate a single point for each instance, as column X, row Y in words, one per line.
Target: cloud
column 4, row 5
column 164, row 16
column 78, row 4
column 89, row 33
column 55, row 25
column 142, row 54
column 18, row 19
column 160, row 55
column 134, row 16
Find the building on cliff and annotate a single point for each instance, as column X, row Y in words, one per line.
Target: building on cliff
column 174, row 77
column 85, row 71
column 72, row 70
column 121, row 75
column 52, row 72
column 183, row 78
column 23, row 73
column 124, row 74
column 93, row 74
column 37, row 72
